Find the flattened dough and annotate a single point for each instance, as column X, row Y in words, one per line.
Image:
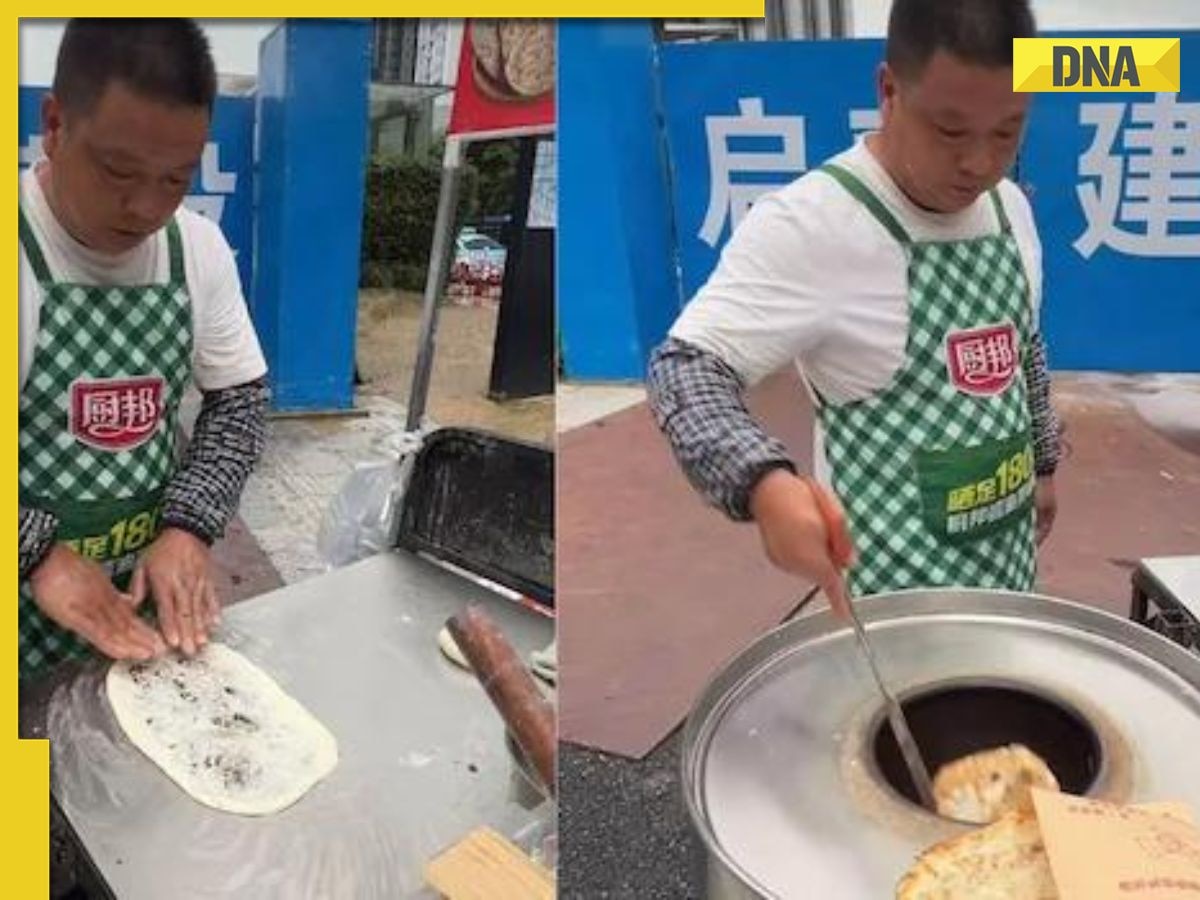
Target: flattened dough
column 221, row 729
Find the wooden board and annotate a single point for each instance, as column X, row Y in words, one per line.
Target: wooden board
column 486, row 866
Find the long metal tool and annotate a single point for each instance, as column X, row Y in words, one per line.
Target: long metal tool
column 834, row 524
column 899, row 723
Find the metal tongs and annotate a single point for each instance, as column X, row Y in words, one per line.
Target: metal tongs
column 842, row 553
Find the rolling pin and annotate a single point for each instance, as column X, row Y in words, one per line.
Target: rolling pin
column 509, row 684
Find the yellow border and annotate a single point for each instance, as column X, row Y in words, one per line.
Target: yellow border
column 25, row 764
column 537, row 9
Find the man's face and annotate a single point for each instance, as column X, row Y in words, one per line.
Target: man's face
column 953, row 131
column 119, row 172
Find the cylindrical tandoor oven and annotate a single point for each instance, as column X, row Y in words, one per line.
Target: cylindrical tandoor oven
column 794, row 783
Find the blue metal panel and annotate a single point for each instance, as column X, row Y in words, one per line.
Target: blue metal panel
column 223, row 188
column 757, row 92
column 617, row 291
column 313, row 145
column 268, row 223
column 1117, row 299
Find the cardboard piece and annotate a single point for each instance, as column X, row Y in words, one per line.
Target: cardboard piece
column 1105, row 851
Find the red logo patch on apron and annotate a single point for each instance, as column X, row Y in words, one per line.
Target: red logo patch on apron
column 116, row 413
column 982, row 361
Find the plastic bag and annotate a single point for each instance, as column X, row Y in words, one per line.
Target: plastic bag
column 363, row 516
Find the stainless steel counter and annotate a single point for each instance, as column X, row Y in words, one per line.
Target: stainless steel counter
column 422, row 752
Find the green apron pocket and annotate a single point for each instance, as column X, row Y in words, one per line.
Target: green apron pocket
column 971, row 492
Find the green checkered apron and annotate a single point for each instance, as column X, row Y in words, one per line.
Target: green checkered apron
column 98, row 415
column 936, row 470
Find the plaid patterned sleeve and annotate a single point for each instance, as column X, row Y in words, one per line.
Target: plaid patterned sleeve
column 226, row 443
column 37, row 530
column 1046, row 426
column 697, row 402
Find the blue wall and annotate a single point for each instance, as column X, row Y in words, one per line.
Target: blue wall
column 1112, row 308
column 616, row 286
column 313, row 77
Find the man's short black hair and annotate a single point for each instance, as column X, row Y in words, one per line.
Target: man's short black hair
column 167, row 60
column 974, row 31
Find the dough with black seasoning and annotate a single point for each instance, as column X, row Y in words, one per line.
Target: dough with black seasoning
column 222, row 729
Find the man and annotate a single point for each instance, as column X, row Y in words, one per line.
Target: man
column 125, row 298
column 904, row 278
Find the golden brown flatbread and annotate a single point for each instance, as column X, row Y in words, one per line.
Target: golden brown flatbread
column 981, row 787
column 529, row 57
column 1003, row 861
column 485, row 41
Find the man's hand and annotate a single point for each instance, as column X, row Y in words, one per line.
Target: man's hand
column 78, row 595
column 1046, row 504
column 175, row 570
column 795, row 536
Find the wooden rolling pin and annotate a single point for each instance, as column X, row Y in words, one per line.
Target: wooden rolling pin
column 528, row 715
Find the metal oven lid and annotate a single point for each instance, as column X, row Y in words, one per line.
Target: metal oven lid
column 780, row 771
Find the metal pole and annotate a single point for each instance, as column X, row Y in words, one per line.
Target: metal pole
column 435, row 280
column 776, row 20
column 829, row 18
column 839, row 11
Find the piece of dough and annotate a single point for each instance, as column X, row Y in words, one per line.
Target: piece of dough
column 450, row 649
column 983, row 786
column 221, row 729
column 1004, row 861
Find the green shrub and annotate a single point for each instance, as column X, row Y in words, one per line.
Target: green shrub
column 400, row 207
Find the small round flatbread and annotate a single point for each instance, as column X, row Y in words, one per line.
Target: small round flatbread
column 1003, row 861
column 485, row 40
column 450, row 649
column 981, row 787
column 528, row 51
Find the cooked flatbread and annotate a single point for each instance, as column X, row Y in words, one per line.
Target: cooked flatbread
column 485, row 40
column 1003, row 861
column 528, row 50
column 221, row 729
column 981, row 787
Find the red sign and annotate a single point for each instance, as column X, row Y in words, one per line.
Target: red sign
column 982, row 360
column 116, row 413
column 506, row 73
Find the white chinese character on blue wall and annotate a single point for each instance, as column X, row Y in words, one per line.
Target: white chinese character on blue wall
column 1155, row 188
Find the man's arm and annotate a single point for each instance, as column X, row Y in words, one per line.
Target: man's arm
column 1046, row 426
column 1047, row 447
column 37, row 531
column 697, row 401
column 200, row 500
column 227, row 441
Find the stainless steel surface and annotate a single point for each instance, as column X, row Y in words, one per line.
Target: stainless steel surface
column 1178, row 576
column 423, row 758
column 895, row 715
column 775, row 765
